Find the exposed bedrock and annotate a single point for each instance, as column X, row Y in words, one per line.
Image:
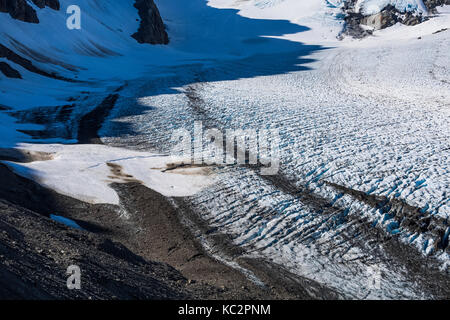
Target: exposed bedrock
column 54, row 4
column 19, row 9
column 8, row 71
column 432, row 4
column 387, row 17
column 151, row 29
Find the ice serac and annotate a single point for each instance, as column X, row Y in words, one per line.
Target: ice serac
column 151, row 29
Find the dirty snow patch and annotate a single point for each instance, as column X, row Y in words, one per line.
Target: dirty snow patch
column 85, row 172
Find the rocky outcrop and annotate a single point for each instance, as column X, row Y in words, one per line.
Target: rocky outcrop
column 390, row 16
column 380, row 20
column 20, row 10
column 54, row 4
column 355, row 21
column 353, row 26
column 433, row 4
column 8, row 71
column 151, row 29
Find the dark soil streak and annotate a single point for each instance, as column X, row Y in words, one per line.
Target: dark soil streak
column 416, row 220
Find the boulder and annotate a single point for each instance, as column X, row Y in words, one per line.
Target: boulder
column 381, row 20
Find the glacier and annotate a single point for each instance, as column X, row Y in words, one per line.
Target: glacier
column 364, row 127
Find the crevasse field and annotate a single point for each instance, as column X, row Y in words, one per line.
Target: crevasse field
column 364, row 127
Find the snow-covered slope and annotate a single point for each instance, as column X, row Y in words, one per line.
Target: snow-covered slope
column 55, row 63
column 323, row 18
column 90, row 62
column 106, row 30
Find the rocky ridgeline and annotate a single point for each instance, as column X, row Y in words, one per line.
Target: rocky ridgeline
column 388, row 17
column 22, row 10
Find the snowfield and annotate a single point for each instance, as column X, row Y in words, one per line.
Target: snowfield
column 99, row 166
column 364, row 135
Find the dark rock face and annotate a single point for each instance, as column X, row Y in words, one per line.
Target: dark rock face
column 152, row 28
column 20, row 10
column 353, row 26
column 386, row 18
column 54, row 4
column 432, row 4
column 8, row 71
